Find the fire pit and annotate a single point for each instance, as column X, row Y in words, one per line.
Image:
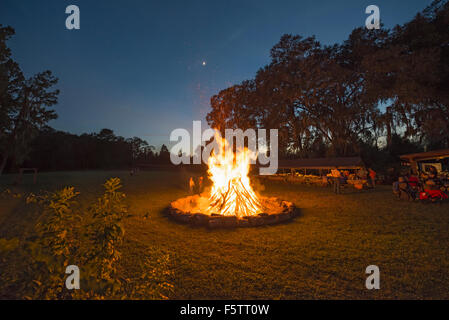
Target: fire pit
column 186, row 210
column 231, row 201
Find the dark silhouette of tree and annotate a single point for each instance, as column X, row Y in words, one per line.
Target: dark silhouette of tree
column 58, row 150
column 164, row 155
column 25, row 103
column 410, row 74
column 312, row 94
column 324, row 100
column 422, row 102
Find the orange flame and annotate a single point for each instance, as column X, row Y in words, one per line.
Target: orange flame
column 231, row 194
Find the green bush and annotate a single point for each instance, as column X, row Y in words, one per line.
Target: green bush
column 65, row 236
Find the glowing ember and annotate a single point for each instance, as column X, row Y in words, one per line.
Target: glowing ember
column 231, row 193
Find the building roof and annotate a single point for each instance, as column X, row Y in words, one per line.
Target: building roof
column 322, row 163
column 430, row 155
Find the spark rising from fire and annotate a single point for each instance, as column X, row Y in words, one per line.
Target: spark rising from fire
column 231, row 193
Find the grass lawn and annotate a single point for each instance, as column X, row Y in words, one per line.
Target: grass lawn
column 321, row 254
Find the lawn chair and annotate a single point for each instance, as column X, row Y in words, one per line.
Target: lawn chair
column 433, row 191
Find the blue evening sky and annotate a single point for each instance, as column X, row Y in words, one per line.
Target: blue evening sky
column 137, row 66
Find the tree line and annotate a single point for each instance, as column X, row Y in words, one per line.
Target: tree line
column 26, row 107
column 58, row 150
column 377, row 93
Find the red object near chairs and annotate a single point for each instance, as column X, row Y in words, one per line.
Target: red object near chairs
column 432, row 195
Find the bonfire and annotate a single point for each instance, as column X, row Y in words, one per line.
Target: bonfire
column 231, row 200
column 231, row 193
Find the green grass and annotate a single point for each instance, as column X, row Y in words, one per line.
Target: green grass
column 321, row 254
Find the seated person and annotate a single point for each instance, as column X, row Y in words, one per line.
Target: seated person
column 413, row 181
column 431, row 180
column 431, row 184
column 404, row 188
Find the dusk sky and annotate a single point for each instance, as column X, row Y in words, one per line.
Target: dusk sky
column 137, row 66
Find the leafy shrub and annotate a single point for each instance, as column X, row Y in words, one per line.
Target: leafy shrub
column 55, row 245
column 92, row 241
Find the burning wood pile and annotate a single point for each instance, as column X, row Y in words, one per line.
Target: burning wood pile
column 232, row 201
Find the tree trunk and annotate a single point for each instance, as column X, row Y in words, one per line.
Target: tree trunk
column 3, row 164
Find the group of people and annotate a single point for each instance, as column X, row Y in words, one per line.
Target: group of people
column 341, row 177
column 196, row 188
column 409, row 185
column 430, row 179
